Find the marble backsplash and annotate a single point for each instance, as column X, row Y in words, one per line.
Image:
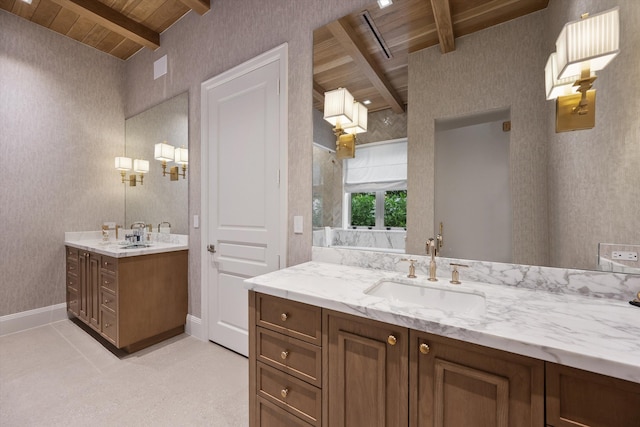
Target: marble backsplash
column 361, row 238
column 594, row 284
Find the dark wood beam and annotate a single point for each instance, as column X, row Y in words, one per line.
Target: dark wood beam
column 114, row 21
column 349, row 41
column 200, row 6
column 444, row 25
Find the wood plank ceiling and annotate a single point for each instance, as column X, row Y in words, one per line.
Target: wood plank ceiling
column 117, row 27
column 367, row 51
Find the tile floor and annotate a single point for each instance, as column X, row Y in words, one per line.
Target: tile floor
column 58, row 375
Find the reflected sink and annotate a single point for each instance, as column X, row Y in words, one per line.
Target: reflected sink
column 435, row 296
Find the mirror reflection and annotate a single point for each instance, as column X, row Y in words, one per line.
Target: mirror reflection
column 160, row 199
column 567, row 194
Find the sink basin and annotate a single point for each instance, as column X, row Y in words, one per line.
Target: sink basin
column 439, row 297
column 136, row 246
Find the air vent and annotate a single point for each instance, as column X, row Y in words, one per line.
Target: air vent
column 368, row 20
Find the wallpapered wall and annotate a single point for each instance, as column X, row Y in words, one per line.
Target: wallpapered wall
column 61, row 121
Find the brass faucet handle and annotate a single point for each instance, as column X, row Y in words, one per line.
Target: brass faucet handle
column 412, row 267
column 455, row 275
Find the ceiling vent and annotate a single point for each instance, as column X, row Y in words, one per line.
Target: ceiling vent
column 368, row 20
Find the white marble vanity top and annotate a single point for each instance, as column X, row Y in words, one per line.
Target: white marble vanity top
column 594, row 334
column 91, row 241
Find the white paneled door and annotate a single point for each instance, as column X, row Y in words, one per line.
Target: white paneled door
column 242, row 129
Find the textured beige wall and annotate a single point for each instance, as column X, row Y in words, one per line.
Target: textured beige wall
column 61, row 121
column 594, row 175
column 497, row 68
column 200, row 47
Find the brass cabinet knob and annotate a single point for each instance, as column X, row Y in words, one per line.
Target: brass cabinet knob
column 284, row 355
column 392, row 340
column 424, row 348
column 284, row 317
column 284, row 392
column 106, row 325
column 106, row 301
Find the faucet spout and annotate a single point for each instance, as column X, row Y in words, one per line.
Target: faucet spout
column 431, row 246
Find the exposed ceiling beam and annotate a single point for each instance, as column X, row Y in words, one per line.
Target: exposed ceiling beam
column 200, row 6
column 444, row 25
column 349, row 41
column 112, row 20
column 318, row 93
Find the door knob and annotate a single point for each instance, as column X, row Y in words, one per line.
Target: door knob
column 211, row 248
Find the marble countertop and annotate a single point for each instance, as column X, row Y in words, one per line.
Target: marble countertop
column 594, row 334
column 90, row 242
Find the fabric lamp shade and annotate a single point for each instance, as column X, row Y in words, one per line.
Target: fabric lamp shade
column 338, row 107
column 123, row 163
column 163, row 151
column 359, row 122
column 182, row 156
column 591, row 43
column 555, row 87
column 141, row 166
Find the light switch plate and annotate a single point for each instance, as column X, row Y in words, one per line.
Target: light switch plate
column 160, row 67
column 297, row 224
column 196, row 221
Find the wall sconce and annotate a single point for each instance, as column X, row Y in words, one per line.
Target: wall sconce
column 583, row 47
column 168, row 153
column 348, row 118
column 123, row 164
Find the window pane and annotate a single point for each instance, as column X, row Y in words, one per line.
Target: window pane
column 395, row 209
column 363, row 209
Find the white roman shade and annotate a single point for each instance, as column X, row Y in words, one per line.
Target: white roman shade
column 377, row 167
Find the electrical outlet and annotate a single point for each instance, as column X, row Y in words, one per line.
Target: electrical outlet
column 624, row 255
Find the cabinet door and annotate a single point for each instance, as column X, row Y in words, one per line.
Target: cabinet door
column 94, row 290
column 456, row 384
column 577, row 398
column 366, row 372
column 84, row 298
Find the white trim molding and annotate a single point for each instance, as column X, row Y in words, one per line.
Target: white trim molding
column 193, row 327
column 24, row 320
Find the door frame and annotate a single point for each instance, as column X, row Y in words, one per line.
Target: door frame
column 279, row 53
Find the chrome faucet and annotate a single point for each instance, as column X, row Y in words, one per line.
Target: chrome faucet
column 431, row 250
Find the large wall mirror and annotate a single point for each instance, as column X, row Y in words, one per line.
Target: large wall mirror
column 555, row 199
column 159, row 199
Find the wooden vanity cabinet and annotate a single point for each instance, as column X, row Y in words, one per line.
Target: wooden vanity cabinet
column 453, row 383
column 132, row 302
column 576, row 398
column 367, row 375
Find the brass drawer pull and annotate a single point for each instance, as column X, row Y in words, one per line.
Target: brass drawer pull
column 284, row 317
column 106, row 301
column 107, row 325
column 424, row 348
column 392, row 340
column 284, row 355
column 284, row 392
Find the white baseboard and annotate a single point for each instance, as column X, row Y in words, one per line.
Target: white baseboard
column 17, row 322
column 194, row 328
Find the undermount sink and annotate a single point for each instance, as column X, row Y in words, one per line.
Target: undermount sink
column 136, row 246
column 434, row 296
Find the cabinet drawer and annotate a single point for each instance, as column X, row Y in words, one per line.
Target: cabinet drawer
column 72, row 301
column 71, row 254
column 293, row 356
column 73, row 282
column 292, row 318
column 292, row 394
column 109, row 326
column 109, row 281
column 109, row 264
column 269, row 415
column 108, row 301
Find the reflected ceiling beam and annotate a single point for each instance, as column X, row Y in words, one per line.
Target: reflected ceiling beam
column 112, row 20
column 318, row 93
column 349, row 41
column 444, row 25
column 200, row 6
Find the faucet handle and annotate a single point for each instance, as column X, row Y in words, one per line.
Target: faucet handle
column 412, row 267
column 455, row 275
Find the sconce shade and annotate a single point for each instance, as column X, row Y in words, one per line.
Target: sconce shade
column 141, row 166
column 182, row 156
column 555, row 87
column 359, row 122
column 591, row 43
column 163, row 151
column 338, row 107
column 123, row 163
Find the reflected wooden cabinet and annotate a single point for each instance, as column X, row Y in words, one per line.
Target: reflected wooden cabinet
column 132, row 302
column 576, row 398
column 454, row 383
column 367, row 372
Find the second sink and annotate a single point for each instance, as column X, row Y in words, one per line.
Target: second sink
column 430, row 296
